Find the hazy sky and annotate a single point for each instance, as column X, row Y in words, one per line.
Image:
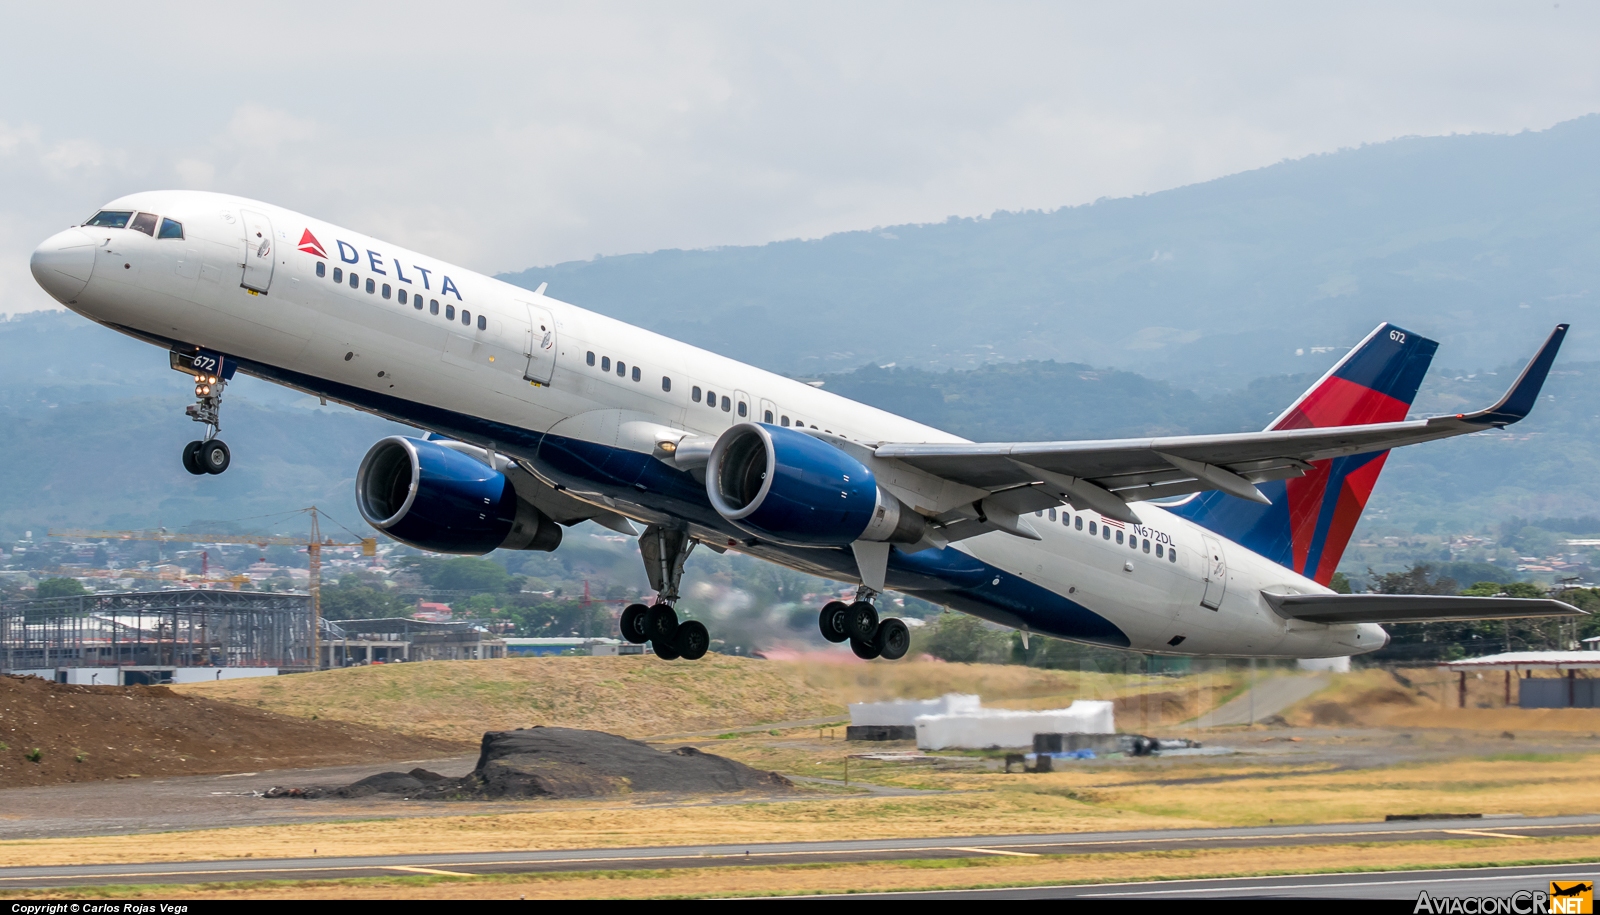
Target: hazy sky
column 508, row 136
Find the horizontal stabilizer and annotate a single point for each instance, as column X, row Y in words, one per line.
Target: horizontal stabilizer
column 1412, row 608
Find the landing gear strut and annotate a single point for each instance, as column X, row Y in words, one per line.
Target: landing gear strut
column 665, row 550
column 210, row 454
column 858, row 622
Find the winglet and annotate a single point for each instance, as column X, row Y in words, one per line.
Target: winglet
column 1519, row 401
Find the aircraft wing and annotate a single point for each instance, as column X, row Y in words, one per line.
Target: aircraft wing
column 1411, row 608
column 1105, row 475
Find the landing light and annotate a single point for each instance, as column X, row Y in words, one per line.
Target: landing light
column 668, row 447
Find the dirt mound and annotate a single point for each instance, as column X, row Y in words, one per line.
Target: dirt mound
column 564, row 763
column 52, row 733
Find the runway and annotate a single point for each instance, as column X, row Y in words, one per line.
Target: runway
column 780, row 853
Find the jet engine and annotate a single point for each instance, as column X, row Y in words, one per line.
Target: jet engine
column 426, row 495
column 788, row 487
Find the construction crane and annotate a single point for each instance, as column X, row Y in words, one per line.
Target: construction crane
column 313, row 545
column 70, row 572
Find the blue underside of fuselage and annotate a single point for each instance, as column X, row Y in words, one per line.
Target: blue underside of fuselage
column 945, row 576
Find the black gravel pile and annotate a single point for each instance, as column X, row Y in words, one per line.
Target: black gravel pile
column 563, row 763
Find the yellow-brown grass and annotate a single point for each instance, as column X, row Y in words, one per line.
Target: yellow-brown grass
column 642, row 696
column 1430, row 698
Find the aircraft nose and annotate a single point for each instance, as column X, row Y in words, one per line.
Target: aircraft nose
column 62, row 264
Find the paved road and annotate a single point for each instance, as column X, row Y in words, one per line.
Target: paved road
column 1273, row 695
column 693, row 856
column 1394, row 885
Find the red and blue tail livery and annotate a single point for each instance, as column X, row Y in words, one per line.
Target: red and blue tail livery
column 1311, row 517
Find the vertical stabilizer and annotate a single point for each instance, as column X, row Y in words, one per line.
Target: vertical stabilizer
column 1311, row 518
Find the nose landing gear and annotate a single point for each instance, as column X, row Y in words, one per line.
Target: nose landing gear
column 858, row 623
column 211, row 373
column 665, row 551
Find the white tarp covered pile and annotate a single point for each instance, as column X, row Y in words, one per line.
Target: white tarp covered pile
column 980, row 728
column 904, row 712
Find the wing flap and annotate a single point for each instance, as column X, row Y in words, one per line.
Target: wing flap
column 1412, row 608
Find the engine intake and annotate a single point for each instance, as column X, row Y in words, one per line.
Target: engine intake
column 428, row 496
column 791, row 488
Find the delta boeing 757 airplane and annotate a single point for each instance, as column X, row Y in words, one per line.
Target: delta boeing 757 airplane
column 539, row 414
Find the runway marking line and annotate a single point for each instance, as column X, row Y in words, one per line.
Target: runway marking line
column 995, row 851
column 1480, row 832
column 427, row 870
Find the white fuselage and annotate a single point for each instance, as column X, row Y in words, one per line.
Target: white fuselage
column 417, row 365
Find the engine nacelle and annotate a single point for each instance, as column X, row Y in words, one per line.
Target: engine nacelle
column 433, row 498
column 788, row 487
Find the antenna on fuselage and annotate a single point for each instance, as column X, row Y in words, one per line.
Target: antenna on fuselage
column 541, row 289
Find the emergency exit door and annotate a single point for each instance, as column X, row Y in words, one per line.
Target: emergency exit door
column 540, row 347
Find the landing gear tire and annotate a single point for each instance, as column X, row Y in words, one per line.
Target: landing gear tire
column 632, row 624
column 832, row 621
column 866, row 651
column 213, row 456
column 660, row 625
column 893, row 639
column 664, row 649
column 861, row 622
column 692, row 640
column 191, row 458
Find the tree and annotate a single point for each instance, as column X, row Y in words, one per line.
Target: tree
column 353, row 599
column 463, row 573
column 962, row 638
column 60, row 587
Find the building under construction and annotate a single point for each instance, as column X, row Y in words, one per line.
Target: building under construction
column 156, row 636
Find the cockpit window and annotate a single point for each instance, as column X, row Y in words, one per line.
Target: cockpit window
column 171, row 228
column 111, row 219
column 146, row 223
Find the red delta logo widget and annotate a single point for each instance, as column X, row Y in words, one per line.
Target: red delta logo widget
column 310, row 245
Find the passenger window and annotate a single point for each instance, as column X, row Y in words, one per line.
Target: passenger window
column 466, row 317
column 622, row 369
column 386, row 290
column 1172, row 554
column 666, row 383
column 1105, row 533
column 1092, row 530
column 1052, row 514
column 784, row 421
column 636, row 373
column 483, row 323
column 1077, row 523
column 401, row 296
column 146, row 223
column 1159, row 551
column 433, row 306
column 1039, row 513
column 338, row 274
column 110, row 219
column 605, row 363
column 726, row 403
column 694, row 393
column 449, row 312
column 322, row 269
column 355, row 281
column 171, row 228
column 371, row 286
column 1146, row 546
column 768, row 418
column 589, row 358
column 744, row 408
column 813, row 425
column 711, row 398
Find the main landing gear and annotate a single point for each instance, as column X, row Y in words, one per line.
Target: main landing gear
column 208, row 455
column 665, row 551
column 858, row 622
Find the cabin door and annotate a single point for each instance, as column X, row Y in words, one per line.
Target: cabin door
column 259, row 251
column 1215, row 566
